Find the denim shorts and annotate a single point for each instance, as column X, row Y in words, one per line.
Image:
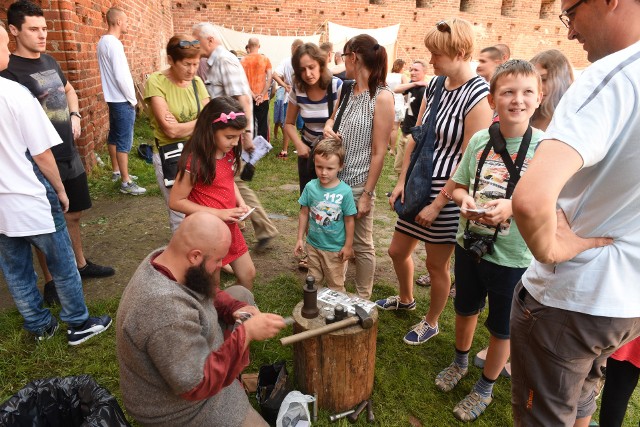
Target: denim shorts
column 122, row 116
column 475, row 281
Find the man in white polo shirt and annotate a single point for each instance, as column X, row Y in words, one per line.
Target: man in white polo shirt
column 580, row 299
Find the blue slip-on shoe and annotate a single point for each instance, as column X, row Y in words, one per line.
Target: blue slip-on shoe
column 393, row 303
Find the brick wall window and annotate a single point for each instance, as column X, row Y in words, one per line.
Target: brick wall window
column 423, row 3
column 508, row 8
column 547, row 8
column 465, row 5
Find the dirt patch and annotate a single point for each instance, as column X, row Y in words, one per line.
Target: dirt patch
column 122, row 231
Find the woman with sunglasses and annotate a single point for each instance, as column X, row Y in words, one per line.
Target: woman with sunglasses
column 175, row 96
column 462, row 111
column 366, row 119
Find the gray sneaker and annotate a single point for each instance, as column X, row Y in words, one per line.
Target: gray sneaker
column 115, row 176
column 132, row 188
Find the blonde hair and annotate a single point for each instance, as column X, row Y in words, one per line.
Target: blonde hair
column 458, row 39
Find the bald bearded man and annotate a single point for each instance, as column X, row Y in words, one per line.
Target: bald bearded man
column 177, row 366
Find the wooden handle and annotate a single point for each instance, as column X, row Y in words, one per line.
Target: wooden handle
column 350, row 321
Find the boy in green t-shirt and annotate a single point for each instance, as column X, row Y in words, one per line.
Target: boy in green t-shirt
column 327, row 214
column 491, row 256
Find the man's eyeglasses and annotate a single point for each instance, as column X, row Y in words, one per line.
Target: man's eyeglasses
column 443, row 27
column 188, row 44
column 565, row 15
column 345, row 54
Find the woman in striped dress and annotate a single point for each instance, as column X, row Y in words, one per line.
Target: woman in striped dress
column 463, row 110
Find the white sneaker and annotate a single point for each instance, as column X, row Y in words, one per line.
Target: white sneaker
column 132, row 188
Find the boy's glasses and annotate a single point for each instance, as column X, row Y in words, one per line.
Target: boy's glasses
column 443, row 27
column 564, row 16
column 188, row 44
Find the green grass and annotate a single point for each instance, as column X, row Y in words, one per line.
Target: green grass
column 404, row 379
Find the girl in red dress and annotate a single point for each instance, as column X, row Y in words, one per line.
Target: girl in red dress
column 206, row 170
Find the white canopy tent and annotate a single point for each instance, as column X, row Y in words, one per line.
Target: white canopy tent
column 276, row 48
column 386, row 36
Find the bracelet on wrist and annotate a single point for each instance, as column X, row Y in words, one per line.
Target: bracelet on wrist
column 445, row 194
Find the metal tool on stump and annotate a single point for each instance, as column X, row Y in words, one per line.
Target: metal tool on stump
column 310, row 307
column 362, row 318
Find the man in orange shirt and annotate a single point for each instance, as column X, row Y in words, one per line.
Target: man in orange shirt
column 258, row 69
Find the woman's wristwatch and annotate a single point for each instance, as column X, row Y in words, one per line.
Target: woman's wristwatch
column 370, row 193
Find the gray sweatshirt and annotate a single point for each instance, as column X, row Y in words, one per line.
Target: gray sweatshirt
column 165, row 332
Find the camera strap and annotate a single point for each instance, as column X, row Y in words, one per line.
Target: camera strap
column 499, row 146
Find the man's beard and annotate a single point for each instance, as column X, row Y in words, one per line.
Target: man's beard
column 199, row 280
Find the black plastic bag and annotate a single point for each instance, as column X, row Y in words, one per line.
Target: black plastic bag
column 273, row 387
column 63, row 402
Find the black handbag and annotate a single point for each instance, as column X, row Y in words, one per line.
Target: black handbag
column 417, row 187
column 273, row 387
column 169, row 157
column 170, row 153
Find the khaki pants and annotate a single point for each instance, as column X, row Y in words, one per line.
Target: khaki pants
column 328, row 266
column 363, row 248
column 262, row 225
column 400, row 147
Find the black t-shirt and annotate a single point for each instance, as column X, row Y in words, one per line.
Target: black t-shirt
column 44, row 79
column 416, row 94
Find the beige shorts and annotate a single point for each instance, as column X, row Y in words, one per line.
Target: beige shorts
column 327, row 266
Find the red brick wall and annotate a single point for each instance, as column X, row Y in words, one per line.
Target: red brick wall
column 517, row 23
column 75, row 26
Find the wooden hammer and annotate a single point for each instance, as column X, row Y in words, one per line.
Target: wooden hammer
column 362, row 318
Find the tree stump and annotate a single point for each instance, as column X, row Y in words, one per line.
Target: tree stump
column 338, row 366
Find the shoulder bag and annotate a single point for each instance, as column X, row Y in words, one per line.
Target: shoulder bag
column 417, row 187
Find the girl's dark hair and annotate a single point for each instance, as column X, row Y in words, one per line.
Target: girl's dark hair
column 373, row 57
column 201, row 147
column 317, row 55
column 178, row 53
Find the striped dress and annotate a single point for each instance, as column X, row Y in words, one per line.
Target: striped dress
column 454, row 107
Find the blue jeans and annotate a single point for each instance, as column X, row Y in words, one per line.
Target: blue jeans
column 16, row 262
column 122, row 117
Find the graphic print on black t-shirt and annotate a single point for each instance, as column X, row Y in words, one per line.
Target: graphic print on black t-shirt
column 44, row 79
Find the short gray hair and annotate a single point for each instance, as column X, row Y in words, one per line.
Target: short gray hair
column 207, row 29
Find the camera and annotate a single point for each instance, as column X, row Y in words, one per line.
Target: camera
column 478, row 245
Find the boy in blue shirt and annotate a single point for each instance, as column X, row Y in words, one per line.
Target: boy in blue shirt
column 491, row 255
column 328, row 210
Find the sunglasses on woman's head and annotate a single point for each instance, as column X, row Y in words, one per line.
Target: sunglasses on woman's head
column 188, row 44
column 443, row 27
